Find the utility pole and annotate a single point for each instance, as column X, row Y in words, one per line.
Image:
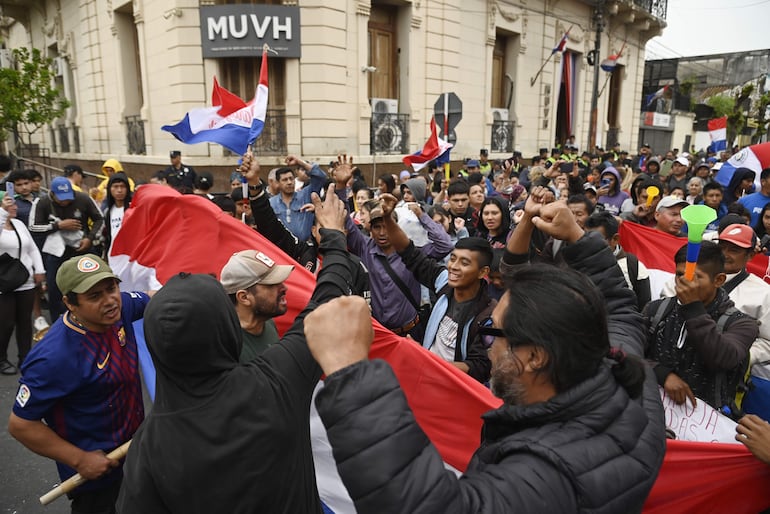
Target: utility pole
column 599, row 24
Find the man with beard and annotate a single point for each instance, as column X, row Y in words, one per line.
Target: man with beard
column 254, row 283
column 566, row 392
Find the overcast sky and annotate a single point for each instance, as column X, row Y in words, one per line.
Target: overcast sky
column 703, row 27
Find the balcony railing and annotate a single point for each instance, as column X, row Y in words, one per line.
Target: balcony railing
column 389, row 133
column 502, row 136
column 135, row 135
column 657, row 8
column 272, row 141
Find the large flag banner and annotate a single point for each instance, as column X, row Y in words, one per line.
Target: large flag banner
column 718, row 133
column 165, row 233
column 656, row 250
column 755, row 157
column 230, row 121
column 434, row 148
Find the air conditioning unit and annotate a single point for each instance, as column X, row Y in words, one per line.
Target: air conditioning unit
column 59, row 65
column 385, row 105
column 499, row 114
column 6, row 58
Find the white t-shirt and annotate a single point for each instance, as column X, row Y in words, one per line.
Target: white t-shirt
column 446, row 339
column 116, row 221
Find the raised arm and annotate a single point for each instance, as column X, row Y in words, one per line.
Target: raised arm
column 268, row 223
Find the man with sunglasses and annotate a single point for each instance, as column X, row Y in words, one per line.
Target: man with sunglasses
column 580, row 427
column 461, row 291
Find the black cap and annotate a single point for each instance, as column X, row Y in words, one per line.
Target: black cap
column 646, row 145
column 175, row 153
column 483, row 151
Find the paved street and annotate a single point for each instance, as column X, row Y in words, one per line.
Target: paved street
column 24, row 476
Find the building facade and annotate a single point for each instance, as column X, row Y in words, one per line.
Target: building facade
column 354, row 76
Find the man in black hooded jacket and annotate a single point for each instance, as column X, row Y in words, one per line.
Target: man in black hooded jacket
column 573, row 434
column 223, row 436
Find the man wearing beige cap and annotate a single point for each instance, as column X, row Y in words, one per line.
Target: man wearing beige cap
column 668, row 217
column 80, row 395
column 254, row 283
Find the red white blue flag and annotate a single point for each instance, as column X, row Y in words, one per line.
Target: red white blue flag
column 562, row 43
column 656, row 95
column 230, row 121
column 153, row 245
column 434, row 148
column 718, row 133
column 754, row 157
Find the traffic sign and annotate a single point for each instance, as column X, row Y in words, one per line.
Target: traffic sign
column 448, row 111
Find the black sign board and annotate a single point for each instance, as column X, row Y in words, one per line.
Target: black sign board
column 240, row 30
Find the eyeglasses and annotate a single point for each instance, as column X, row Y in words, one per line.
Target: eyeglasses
column 488, row 332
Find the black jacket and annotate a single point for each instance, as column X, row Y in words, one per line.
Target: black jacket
column 588, row 449
column 426, row 270
column 224, row 436
column 304, row 252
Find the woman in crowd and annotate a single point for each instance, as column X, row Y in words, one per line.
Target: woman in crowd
column 118, row 200
column 16, row 305
column 456, row 229
column 494, row 222
column 741, row 183
column 695, row 191
column 610, row 193
column 762, row 228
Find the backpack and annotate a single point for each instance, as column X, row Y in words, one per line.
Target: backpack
column 732, row 408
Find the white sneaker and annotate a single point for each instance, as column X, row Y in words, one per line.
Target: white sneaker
column 40, row 323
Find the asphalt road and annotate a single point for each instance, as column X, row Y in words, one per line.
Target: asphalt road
column 24, row 476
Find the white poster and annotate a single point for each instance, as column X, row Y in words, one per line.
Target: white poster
column 701, row 423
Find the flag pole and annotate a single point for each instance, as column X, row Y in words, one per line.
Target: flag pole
column 623, row 47
column 446, row 132
column 533, row 79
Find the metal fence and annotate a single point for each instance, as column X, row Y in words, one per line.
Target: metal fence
column 135, row 135
column 273, row 138
column 389, row 133
column 502, row 136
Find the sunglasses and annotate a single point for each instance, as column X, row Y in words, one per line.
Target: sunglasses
column 488, row 332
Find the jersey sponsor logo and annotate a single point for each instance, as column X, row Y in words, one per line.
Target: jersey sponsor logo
column 23, row 396
column 102, row 364
column 87, row 265
column 122, row 336
column 134, row 295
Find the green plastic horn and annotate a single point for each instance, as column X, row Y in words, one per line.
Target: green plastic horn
column 697, row 218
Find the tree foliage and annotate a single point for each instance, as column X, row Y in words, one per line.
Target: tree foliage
column 722, row 105
column 28, row 95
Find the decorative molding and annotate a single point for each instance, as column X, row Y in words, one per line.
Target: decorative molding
column 508, row 15
column 364, row 8
column 523, row 36
column 415, row 22
column 576, row 34
column 491, row 18
column 138, row 13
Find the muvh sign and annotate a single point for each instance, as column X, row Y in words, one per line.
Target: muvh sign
column 241, row 30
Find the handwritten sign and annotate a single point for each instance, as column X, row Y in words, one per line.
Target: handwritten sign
column 701, row 423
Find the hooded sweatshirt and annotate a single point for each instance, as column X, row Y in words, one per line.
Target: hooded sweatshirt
column 102, row 188
column 614, row 200
column 418, row 187
column 113, row 215
column 223, row 436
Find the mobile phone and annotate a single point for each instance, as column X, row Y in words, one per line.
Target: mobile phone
column 566, row 167
column 9, row 190
column 605, row 182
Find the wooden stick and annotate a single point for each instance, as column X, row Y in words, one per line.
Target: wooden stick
column 77, row 479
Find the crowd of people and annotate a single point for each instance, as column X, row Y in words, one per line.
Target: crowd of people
column 514, row 273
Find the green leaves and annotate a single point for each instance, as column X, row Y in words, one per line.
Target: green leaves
column 29, row 95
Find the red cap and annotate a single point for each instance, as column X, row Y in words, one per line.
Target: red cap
column 739, row 234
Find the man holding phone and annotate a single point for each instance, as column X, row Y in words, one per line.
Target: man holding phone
column 63, row 216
